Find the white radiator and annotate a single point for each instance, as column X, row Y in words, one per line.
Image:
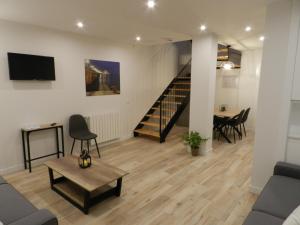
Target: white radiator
column 106, row 126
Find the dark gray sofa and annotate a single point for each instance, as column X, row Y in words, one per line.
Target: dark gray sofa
column 279, row 198
column 16, row 210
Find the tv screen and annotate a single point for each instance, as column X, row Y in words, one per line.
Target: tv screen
column 30, row 67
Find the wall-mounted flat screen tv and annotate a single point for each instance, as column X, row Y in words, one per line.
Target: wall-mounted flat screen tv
column 30, row 67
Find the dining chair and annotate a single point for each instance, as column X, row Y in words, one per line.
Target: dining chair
column 78, row 130
column 235, row 125
column 244, row 120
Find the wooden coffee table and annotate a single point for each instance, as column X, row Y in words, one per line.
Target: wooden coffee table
column 84, row 187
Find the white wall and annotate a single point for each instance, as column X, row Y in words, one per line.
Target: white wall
column 144, row 73
column 275, row 89
column 245, row 93
column 204, row 54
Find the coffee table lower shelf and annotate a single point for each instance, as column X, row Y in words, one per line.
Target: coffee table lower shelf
column 79, row 197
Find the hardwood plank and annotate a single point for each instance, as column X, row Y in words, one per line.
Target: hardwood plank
column 148, row 132
column 165, row 185
column 165, row 110
column 158, row 116
column 150, row 124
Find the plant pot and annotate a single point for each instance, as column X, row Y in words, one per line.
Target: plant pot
column 195, row 151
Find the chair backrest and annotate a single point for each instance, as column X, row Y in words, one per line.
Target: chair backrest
column 240, row 117
column 77, row 124
column 246, row 114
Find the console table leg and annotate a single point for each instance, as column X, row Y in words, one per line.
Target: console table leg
column 28, row 149
column 24, row 150
column 57, row 142
column 62, row 141
column 119, row 187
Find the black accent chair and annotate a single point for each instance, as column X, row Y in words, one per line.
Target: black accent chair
column 245, row 118
column 78, row 129
column 235, row 125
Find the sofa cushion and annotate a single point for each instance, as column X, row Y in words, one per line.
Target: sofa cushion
column 294, row 218
column 280, row 197
column 259, row 218
column 2, row 181
column 13, row 205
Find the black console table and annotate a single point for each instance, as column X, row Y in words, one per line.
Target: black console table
column 26, row 142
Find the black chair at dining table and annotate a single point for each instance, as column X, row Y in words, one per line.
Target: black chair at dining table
column 244, row 120
column 220, row 127
column 234, row 124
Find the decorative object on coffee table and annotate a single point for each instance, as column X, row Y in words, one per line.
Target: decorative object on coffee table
column 84, row 188
column 193, row 140
column 84, row 160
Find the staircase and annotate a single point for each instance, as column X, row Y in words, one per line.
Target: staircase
column 166, row 110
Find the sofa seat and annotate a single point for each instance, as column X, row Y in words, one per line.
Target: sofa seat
column 13, row 205
column 259, row 218
column 280, row 197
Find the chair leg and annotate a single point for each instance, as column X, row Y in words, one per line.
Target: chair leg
column 88, row 146
column 234, row 135
column 244, row 129
column 81, row 147
column 97, row 148
column 241, row 135
column 73, row 146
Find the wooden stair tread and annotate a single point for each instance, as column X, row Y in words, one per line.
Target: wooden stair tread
column 150, row 124
column 158, row 116
column 148, row 132
column 176, row 96
column 180, row 89
column 183, row 78
column 166, row 110
column 182, row 83
column 176, row 103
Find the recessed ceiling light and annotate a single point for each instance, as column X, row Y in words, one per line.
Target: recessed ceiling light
column 203, row 27
column 151, row 4
column 262, row 38
column 138, row 38
column 248, row 29
column 80, row 24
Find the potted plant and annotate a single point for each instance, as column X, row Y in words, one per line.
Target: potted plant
column 193, row 140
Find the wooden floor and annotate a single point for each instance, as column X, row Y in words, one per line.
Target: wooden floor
column 165, row 186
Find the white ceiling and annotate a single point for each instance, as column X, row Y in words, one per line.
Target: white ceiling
column 122, row 20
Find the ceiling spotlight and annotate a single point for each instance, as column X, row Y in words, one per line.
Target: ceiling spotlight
column 203, row 27
column 262, row 38
column 151, row 4
column 138, row 38
column 248, row 29
column 80, row 24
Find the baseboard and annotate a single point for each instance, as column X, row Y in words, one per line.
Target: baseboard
column 255, row 190
column 20, row 167
column 11, row 169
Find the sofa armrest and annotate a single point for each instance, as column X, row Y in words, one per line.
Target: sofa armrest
column 41, row 217
column 287, row 170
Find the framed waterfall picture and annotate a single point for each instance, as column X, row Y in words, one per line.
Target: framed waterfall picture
column 102, row 77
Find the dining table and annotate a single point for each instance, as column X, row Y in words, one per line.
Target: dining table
column 226, row 115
